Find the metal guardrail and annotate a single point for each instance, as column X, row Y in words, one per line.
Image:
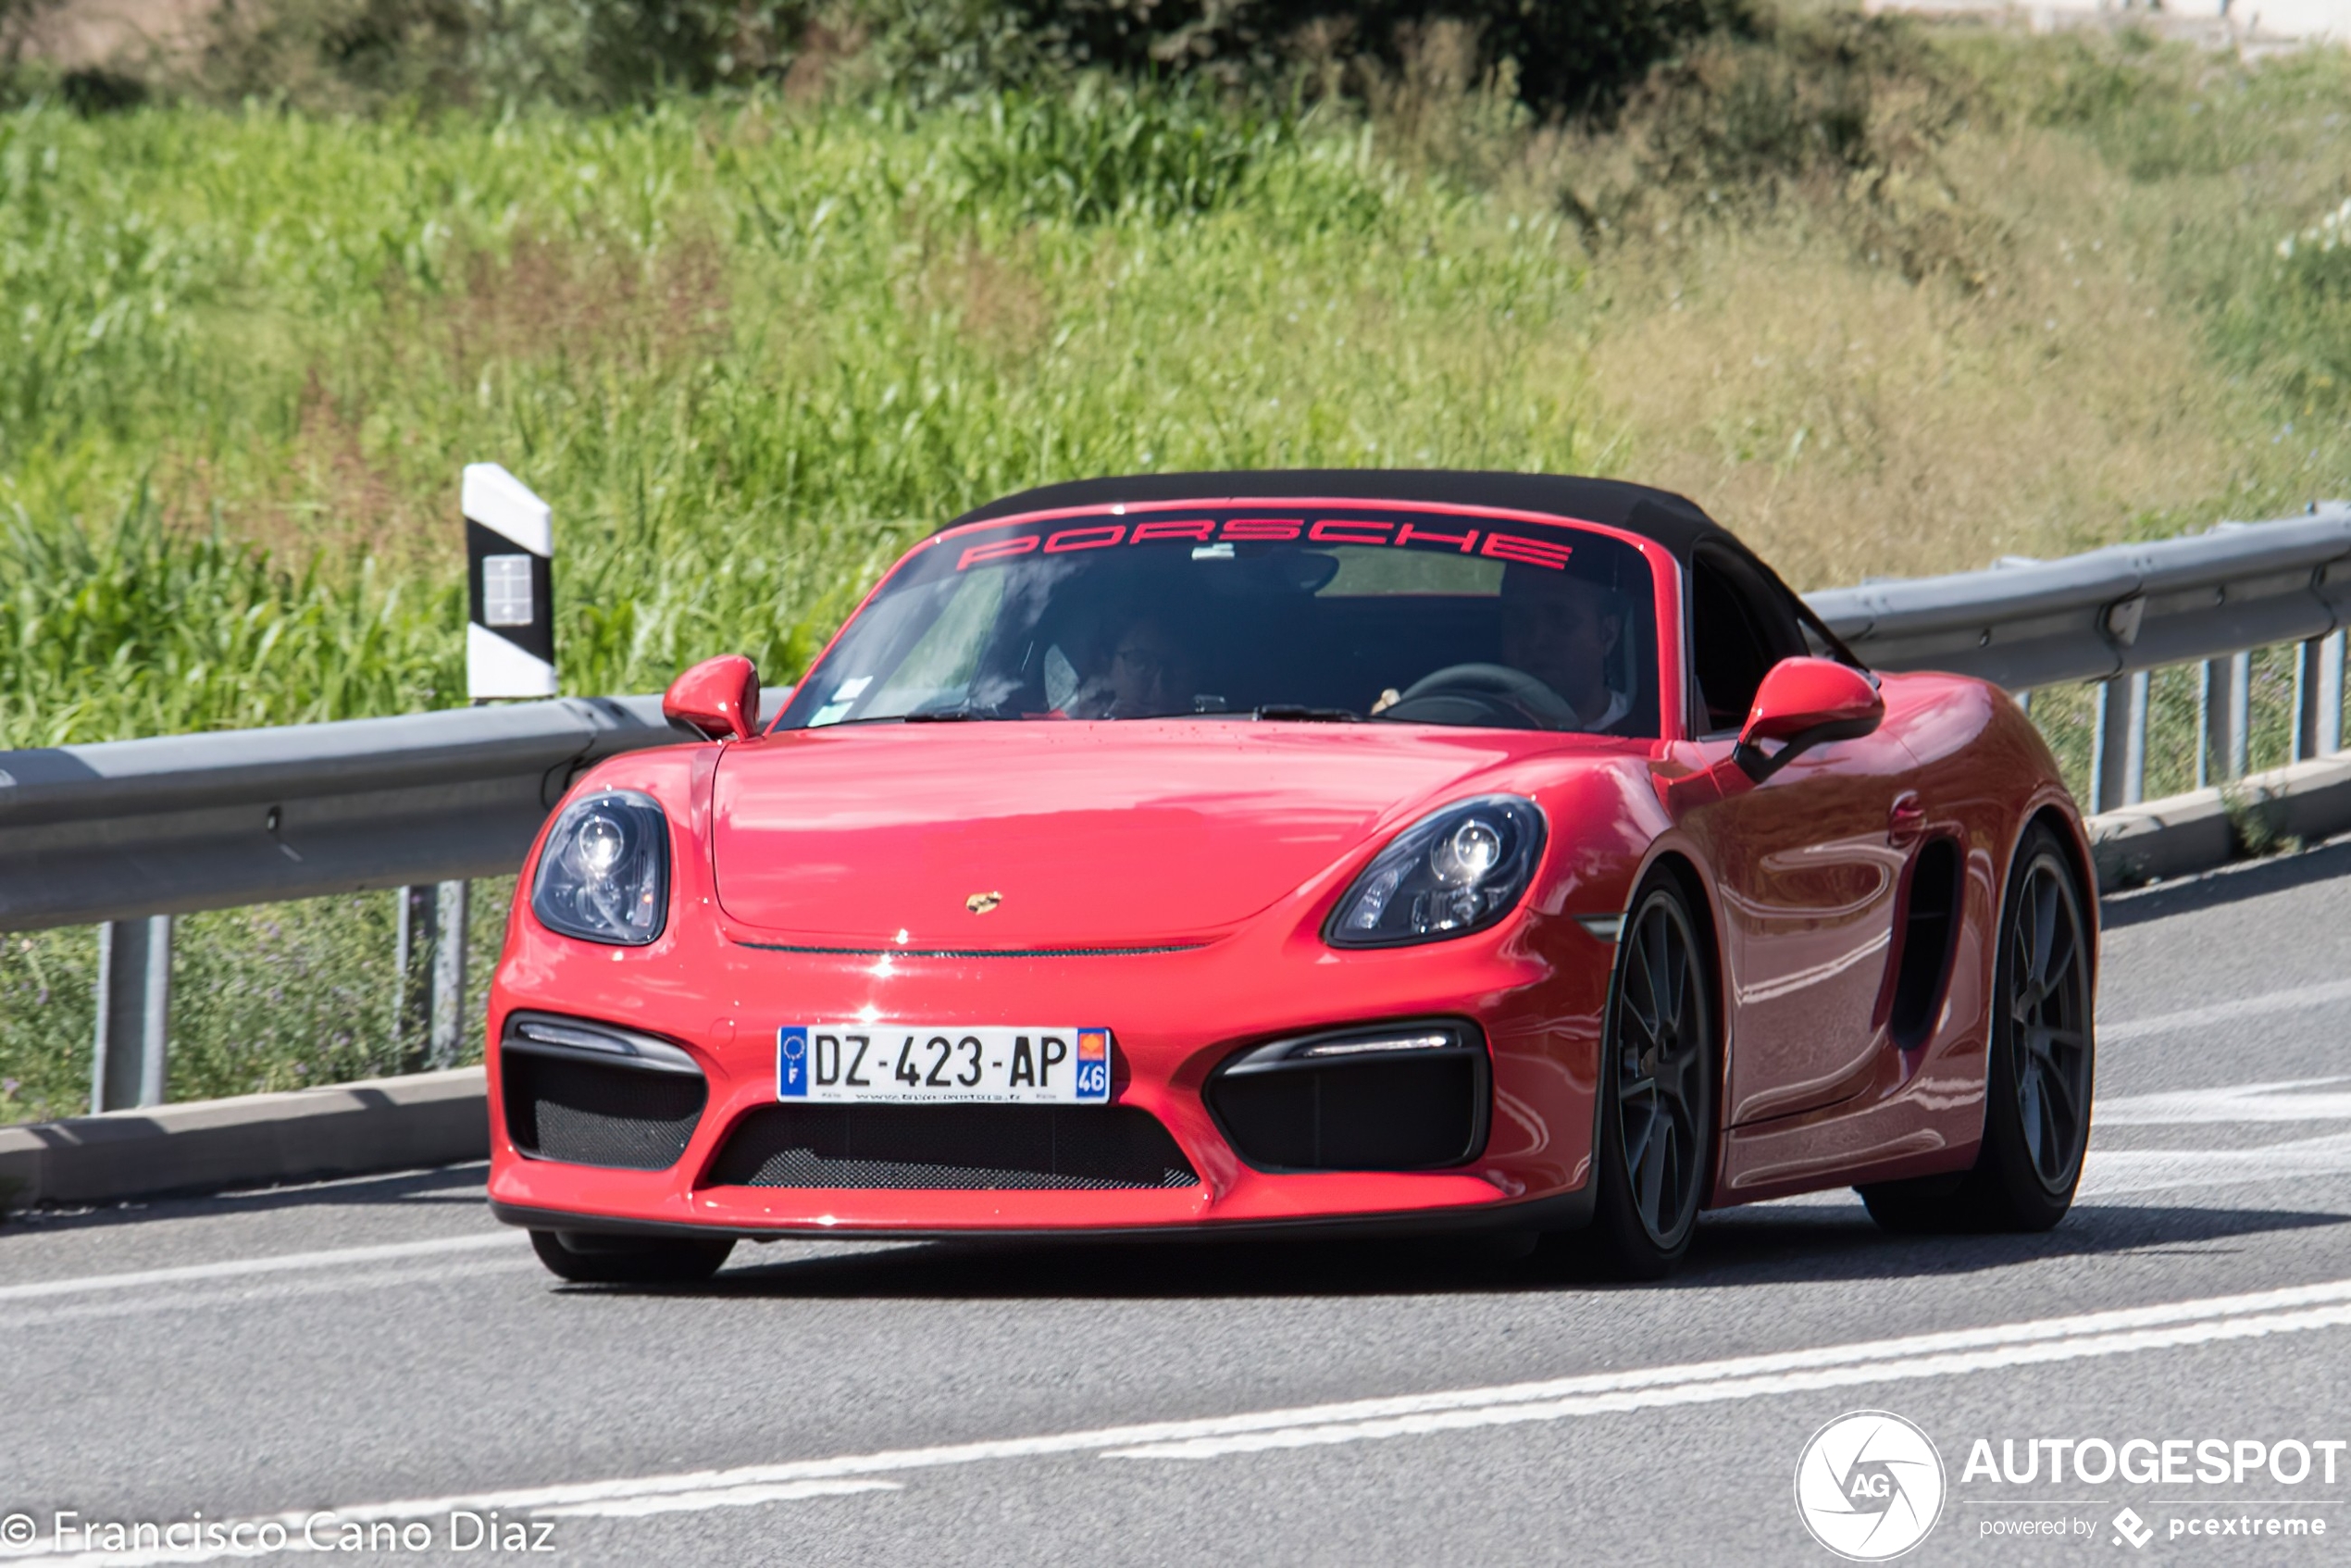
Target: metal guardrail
column 130, row 833
column 188, row 822
column 2115, row 614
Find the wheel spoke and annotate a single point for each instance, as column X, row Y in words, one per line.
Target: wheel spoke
column 2053, row 1149
column 1652, row 1177
column 2057, row 1091
column 1639, row 984
column 1637, row 1140
column 2029, row 1103
column 2062, row 964
column 1677, row 979
column 1656, row 952
column 2043, row 892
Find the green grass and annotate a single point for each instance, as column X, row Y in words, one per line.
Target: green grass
column 1887, row 309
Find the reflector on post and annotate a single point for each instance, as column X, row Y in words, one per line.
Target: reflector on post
column 510, row 545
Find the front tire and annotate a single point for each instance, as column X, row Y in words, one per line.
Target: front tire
column 1657, row 1090
column 585, row 1259
column 2040, row 1072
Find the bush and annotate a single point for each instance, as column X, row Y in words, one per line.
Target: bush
column 1572, row 56
column 1568, row 56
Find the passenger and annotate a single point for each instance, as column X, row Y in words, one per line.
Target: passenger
column 1563, row 629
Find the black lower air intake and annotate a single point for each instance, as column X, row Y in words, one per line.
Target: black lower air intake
column 592, row 1094
column 952, row 1148
column 1393, row 1097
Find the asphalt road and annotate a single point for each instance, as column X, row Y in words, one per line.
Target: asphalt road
column 380, row 1348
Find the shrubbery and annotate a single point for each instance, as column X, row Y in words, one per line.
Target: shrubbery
column 1570, row 56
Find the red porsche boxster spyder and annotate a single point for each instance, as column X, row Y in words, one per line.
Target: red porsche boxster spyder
column 1217, row 854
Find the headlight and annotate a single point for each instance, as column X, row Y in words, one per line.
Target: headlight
column 1451, row 873
column 604, row 873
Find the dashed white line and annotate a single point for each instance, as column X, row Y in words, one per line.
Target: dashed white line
column 2293, row 999
column 2291, row 1100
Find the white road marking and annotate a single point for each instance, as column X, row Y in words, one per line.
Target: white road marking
column 2291, row 1000
column 238, row 1295
column 2114, row 1170
column 342, row 1257
column 2284, row 1101
column 716, row 1497
column 1996, row 1348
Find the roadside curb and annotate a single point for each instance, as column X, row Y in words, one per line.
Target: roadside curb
column 2207, row 828
column 361, row 1128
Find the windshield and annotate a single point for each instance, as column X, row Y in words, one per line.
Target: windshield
column 1377, row 614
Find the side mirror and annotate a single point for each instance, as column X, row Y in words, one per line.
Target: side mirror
column 1802, row 703
column 719, row 697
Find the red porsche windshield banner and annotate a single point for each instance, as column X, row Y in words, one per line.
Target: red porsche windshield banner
column 1066, row 536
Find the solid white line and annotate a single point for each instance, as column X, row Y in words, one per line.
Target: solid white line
column 2290, row 1001
column 1712, row 1392
column 238, row 1295
column 342, row 1257
column 716, row 1497
column 1997, row 1347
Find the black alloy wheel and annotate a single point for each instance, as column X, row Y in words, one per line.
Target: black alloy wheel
column 588, row 1259
column 2049, row 1018
column 1657, row 1083
column 2042, row 1068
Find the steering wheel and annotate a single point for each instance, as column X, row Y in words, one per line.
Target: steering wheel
column 1483, row 694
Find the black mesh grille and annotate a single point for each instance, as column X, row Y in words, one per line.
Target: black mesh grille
column 586, row 1113
column 1362, row 1113
column 952, row 1148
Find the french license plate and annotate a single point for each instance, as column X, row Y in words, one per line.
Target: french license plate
column 915, row 1064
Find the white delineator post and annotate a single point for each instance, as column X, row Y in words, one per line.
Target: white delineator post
column 510, row 623
column 510, row 652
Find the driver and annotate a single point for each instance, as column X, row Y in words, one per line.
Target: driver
column 1562, row 629
column 1150, row 674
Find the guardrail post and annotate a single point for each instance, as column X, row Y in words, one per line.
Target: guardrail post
column 2118, row 752
column 413, row 954
column 2327, row 734
column 2305, row 700
column 448, row 975
column 2224, row 710
column 134, row 1013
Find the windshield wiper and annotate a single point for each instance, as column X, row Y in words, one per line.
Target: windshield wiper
column 955, row 715
column 1304, row 714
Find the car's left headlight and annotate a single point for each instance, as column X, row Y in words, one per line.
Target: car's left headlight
column 604, row 873
column 1453, row 872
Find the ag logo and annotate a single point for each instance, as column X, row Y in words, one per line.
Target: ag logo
column 1869, row 1485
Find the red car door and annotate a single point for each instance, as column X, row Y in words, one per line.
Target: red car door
column 1807, row 864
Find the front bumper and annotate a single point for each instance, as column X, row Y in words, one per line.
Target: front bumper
column 1174, row 1016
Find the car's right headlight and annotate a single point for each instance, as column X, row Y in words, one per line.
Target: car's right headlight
column 1457, row 870
column 604, row 873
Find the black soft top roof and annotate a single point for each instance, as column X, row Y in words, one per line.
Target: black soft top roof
column 1654, row 513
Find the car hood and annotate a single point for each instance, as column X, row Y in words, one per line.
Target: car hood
column 1042, row 835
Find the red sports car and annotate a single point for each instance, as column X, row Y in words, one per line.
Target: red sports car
column 1220, row 854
